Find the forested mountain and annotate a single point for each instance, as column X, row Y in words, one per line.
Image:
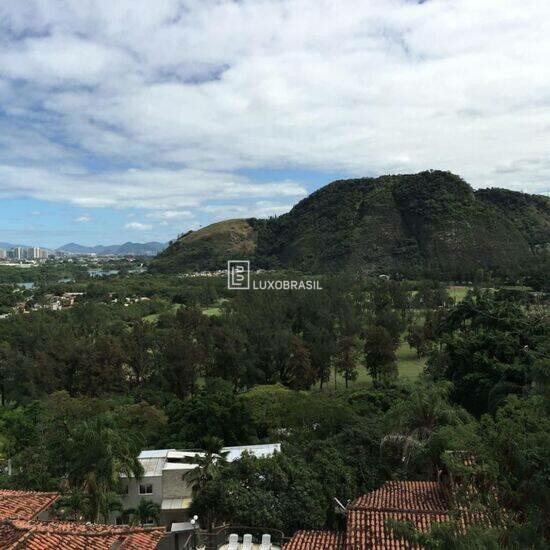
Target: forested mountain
column 431, row 223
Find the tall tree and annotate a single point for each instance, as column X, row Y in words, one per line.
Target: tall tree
column 98, row 455
column 347, row 357
column 380, row 357
column 145, row 512
column 414, row 421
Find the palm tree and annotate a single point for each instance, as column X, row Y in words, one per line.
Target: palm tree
column 209, row 466
column 100, row 453
column 110, row 502
column 73, row 506
column 146, row 510
column 413, row 423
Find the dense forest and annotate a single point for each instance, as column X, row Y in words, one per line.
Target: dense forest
column 84, row 389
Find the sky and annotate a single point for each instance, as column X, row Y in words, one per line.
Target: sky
column 139, row 120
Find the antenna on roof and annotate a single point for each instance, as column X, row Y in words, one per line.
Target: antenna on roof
column 340, row 505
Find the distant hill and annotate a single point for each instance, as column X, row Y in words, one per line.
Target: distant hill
column 7, row 246
column 428, row 223
column 209, row 247
column 130, row 249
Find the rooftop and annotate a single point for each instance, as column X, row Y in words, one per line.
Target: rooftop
column 419, row 496
column 156, row 461
column 418, row 502
column 24, row 504
column 316, row 540
column 44, row 535
column 259, row 451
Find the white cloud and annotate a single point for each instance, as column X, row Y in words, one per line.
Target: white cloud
column 138, row 226
column 169, row 215
column 192, row 93
column 83, row 219
column 157, row 189
column 260, row 209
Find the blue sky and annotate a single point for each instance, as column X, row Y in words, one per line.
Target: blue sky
column 138, row 120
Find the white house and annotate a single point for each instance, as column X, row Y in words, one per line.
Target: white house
column 164, row 481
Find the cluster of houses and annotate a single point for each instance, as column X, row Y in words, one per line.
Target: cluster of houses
column 52, row 302
column 27, row 519
column 217, row 273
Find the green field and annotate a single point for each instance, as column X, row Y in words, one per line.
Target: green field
column 458, row 292
column 154, row 317
column 408, row 363
column 409, row 367
column 214, row 309
column 211, row 311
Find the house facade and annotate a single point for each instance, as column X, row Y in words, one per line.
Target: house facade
column 163, row 482
column 166, row 483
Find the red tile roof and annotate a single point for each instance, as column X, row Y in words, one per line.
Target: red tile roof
column 368, row 529
column 24, row 504
column 418, row 502
column 316, row 540
column 54, row 535
column 422, row 496
column 9, row 534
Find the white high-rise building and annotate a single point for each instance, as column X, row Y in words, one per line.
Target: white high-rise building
column 27, row 253
column 17, row 253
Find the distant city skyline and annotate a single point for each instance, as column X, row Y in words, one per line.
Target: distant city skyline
column 138, row 120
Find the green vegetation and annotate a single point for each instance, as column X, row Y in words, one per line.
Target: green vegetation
column 208, row 248
column 427, row 224
column 365, row 381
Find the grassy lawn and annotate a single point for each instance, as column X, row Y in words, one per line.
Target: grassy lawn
column 409, row 367
column 458, row 292
column 153, row 318
column 211, row 311
column 215, row 309
column 408, row 364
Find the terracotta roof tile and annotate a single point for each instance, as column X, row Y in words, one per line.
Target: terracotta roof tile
column 55, row 535
column 24, row 504
column 316, row 540
column 418, row 502
column 148, row 539
column 423, row 496
column 368, row 528
column 9, row 534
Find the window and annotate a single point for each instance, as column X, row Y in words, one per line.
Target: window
column 146, row 489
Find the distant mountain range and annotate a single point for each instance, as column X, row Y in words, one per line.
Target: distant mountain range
column 431, row 223
column 126, row 249
column 7, row 246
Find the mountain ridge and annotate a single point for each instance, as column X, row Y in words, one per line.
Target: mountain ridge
column 432, row 223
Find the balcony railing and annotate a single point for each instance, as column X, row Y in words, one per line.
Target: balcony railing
column 216, row 539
